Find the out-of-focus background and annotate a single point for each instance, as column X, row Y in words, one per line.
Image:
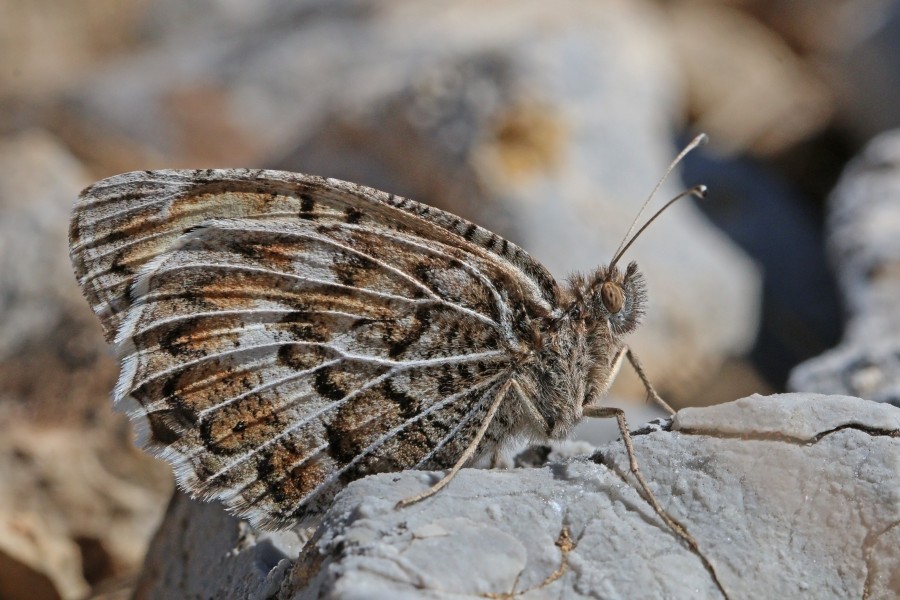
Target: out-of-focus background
column 546, row 122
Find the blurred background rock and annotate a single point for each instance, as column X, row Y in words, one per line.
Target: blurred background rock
column 547, row 122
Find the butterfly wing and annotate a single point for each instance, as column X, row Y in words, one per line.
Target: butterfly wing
column 282, row 334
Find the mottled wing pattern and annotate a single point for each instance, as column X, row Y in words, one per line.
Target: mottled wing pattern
column 282, row 334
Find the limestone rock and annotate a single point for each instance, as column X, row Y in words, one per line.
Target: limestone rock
column 789, row 495
column 200, row 551
column 35, row 201
column 78, row 502
column 762, row 483
column 754, row 93
column 864, row 243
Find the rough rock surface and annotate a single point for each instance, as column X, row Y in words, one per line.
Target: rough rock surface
column 788, row 496
column 35, row 273
column 202, row 552
column 864, row 242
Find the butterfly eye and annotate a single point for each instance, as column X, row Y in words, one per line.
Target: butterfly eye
column 612, row 296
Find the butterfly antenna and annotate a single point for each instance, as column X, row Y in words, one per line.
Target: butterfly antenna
column 625, row 243
column 698, row 191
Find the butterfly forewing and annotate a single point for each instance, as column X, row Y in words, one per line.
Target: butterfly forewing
column 283, row 335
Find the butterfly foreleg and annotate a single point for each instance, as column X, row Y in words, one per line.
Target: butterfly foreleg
column 616, row 364
column 466, row 455
column 605, row 412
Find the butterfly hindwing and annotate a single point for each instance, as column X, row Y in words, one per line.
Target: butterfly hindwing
column 283, row 335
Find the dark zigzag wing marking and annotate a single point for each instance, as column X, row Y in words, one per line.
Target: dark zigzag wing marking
column 256, row 439
column 121, row 223
column 221, row 279
column 395, row 449
column 361, row 257
column 543, row 285
column 278, row 446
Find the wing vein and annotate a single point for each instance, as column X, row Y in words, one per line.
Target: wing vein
column 311, row 280
column 453, row 359
column 501, row 305
column 238, row 312
column 491, row 381
column 334, row 476
column 449, row 436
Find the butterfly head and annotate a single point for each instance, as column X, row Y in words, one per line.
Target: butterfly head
column 616, row 298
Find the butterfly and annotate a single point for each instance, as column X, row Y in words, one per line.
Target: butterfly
column 282, row 335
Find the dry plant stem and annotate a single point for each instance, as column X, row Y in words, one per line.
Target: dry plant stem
column 566, row 544
column 466, row 456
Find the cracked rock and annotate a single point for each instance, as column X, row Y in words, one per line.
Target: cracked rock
column 787, row 496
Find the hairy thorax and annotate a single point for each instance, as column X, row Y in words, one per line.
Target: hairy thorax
column 571, row 368
column 571, row 360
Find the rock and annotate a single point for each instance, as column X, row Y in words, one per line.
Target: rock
column 854, row 46
column 78, row 502
column 753, row 94
column 35, row 272
column 77, row 507
column 801, row 314
column 760, row 482
column 864, row 229
column 45, row 47
column 200, row 551
column 865, row 71
column 788, row 495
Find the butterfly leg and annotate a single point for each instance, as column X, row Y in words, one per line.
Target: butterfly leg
column 625, row 351
column 604, row 412
column 499, row 460
column 466, row 455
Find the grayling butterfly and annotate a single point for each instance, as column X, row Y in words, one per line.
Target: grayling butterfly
column 282, row 335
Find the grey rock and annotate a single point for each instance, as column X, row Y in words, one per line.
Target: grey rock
column 200, row 551
column 39, row 177
column 76, row 506
column 782, row 103
column 864, row 243
column 793, row 495
column 760, row 482
column 864, row 68
column 78, row 503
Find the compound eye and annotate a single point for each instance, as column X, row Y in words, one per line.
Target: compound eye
column 612, row 296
